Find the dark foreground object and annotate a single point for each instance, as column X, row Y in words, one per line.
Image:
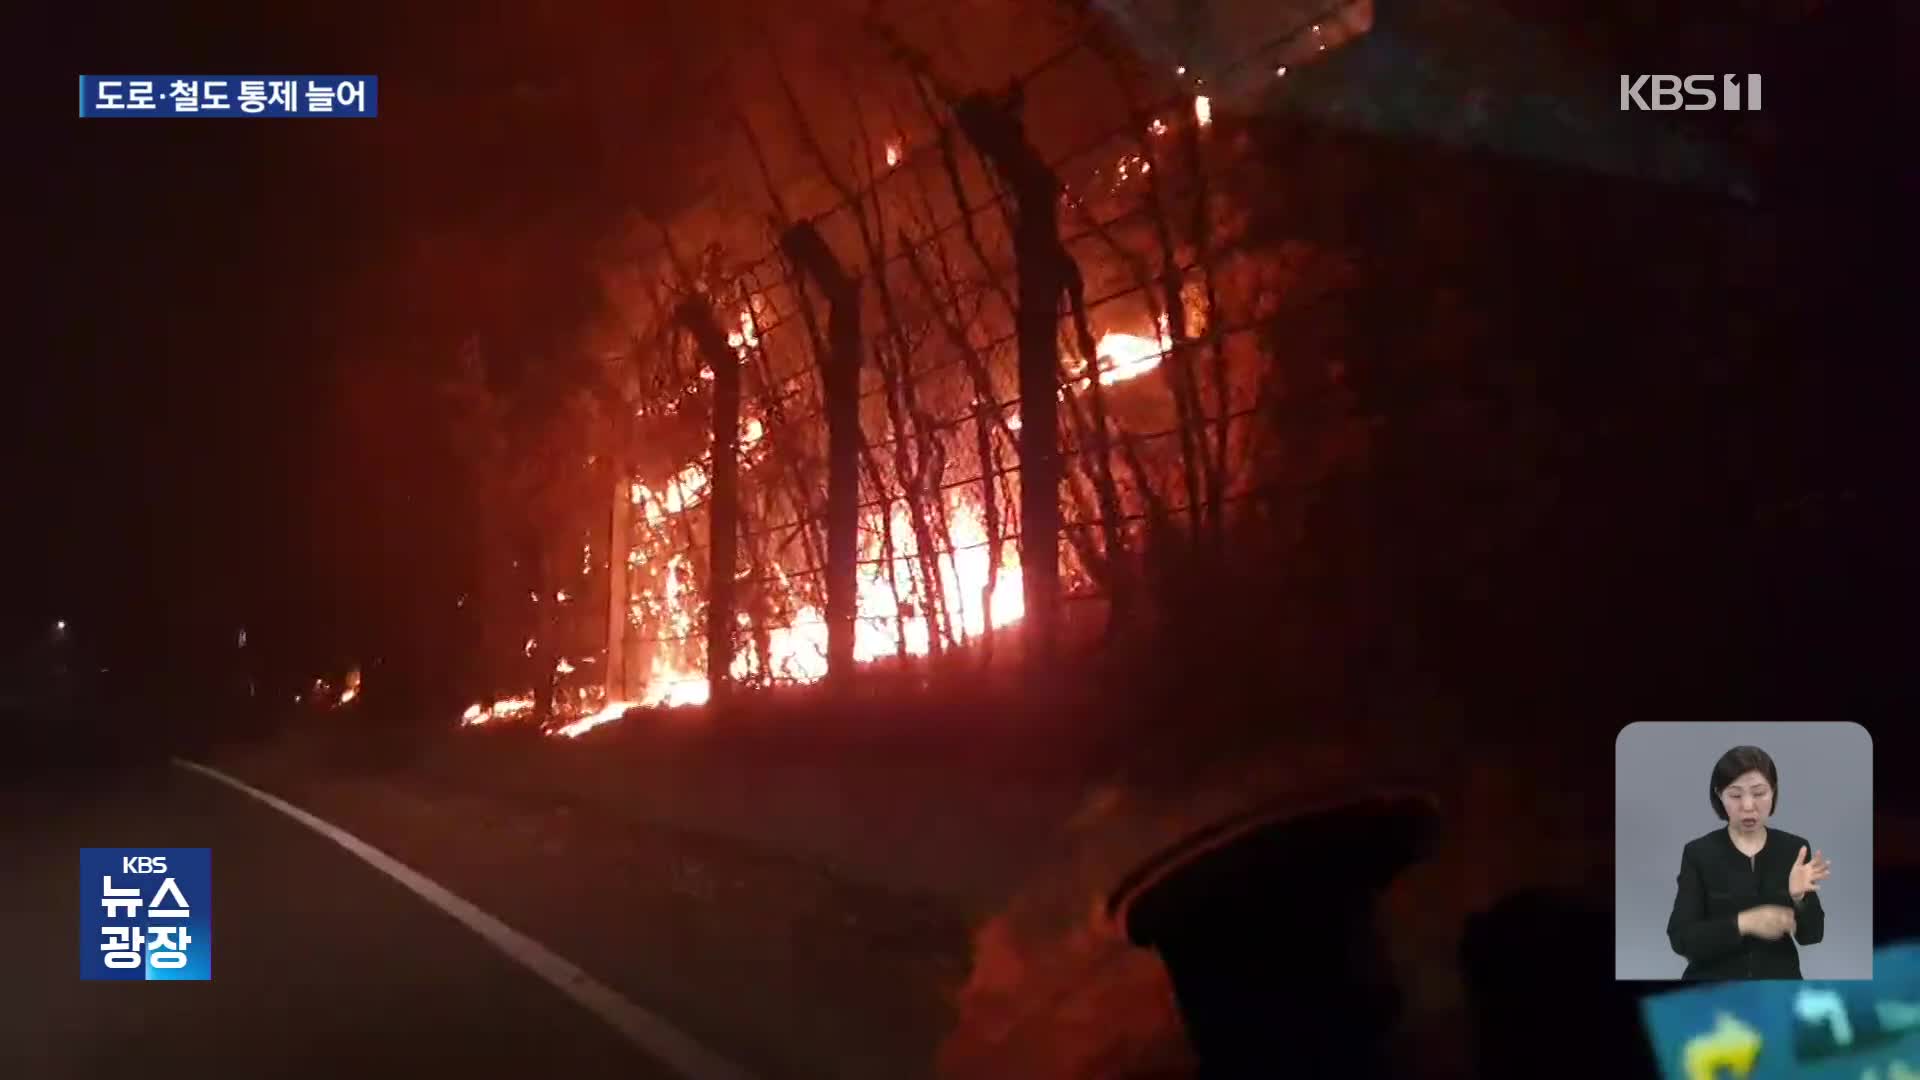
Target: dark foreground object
column 1514, row 954
column 1267, row 927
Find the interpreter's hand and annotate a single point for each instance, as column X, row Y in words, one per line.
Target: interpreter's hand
column 1768, row 922
column 1807, row 874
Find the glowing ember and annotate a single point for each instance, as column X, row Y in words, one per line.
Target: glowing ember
column 531, row 645
column 563, row 667
column 1203, row 109
column 893, row 152
column 350, row 686
column 562, row 597
column 480, row 714
column 1158, row 127
column 613, row 711
column 741, row 340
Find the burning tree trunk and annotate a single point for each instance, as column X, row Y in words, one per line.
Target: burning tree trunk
column 994, row 129
column 723, row 501
column 840, row 379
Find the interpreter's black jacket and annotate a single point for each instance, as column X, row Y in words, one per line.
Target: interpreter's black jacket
column 1717, row 882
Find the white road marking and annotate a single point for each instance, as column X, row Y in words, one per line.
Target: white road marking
column 653, row 1035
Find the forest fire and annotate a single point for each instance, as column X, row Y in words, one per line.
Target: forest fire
column 936, row 557
column 905, row 604
column 797, row 651
column 895, row 617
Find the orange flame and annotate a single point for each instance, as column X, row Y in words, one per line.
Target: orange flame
column 673, row 675
column 613, row 711
column 480, row 714
column 351, row 687
column 1129, row 356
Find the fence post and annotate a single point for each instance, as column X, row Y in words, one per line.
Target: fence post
column 840, row 378
column 723, row 502
column 619, row 543
column 995, row 130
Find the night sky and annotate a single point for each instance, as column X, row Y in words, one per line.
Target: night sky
column 196, row 288
column 193, row 287
column 158, row 387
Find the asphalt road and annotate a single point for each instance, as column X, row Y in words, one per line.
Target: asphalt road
column 322, row 966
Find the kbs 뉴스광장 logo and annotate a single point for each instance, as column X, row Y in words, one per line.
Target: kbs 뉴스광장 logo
column 146, row 914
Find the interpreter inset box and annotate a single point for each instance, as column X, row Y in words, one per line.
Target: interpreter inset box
column 1743, row 850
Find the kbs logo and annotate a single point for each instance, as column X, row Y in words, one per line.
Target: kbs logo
column 146, row 914
column 1665, row 93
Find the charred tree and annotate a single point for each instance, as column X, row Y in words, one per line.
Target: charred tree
column 723, row 515
column 840, row 380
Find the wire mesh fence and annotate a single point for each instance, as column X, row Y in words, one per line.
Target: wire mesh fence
column 1166, row 342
